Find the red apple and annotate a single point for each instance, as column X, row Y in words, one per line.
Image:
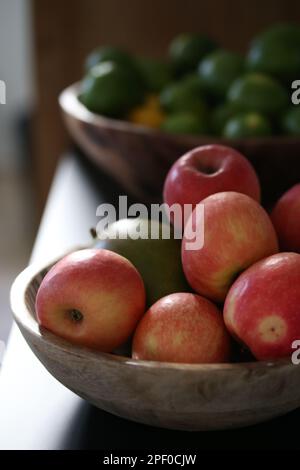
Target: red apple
column 286, row 219
column 207, row 170
column 182, row 327
column 237, row 232
column 92, row 298
column 262, row 307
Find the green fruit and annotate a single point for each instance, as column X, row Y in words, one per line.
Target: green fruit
column 185, row 95
column 110, row 89
column 110, row 54
column 276, row 52
column 258, row 93
column 187, row 50
column 157, row 260
column 247, row 125
column 218, row 70
column 291, row 121
column 184, row 123
column 156, row 74
column 193, row 82
column 220, row 116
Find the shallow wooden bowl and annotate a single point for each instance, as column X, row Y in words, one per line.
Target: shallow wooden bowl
column 176, row 396
column 139, row 157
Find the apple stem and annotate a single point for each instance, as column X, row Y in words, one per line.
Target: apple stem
column 76, row 315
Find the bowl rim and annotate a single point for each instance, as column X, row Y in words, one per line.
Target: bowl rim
column 70, row 104
column 27, row 322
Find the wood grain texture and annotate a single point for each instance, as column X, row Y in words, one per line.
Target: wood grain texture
column 175, row 396
column 64, row 32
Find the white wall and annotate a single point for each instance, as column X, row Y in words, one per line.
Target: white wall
column 16, row 71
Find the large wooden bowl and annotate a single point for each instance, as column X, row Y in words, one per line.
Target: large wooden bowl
column 139, row 157
column 176, row 396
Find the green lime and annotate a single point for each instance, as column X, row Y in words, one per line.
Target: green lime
column 220, row 115
column 156, row 74
column 187, row 50
column 184, row 123
column 158, row 259
column 194, row 83
column 258, row 93
column 291, row 121
column 276, row 52
column 218, row 70
column 110, row 54
column 110, row 89
column 247, row 125
column 185, row 95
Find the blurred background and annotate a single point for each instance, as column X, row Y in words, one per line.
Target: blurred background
column 43, row 44
column 17, row 199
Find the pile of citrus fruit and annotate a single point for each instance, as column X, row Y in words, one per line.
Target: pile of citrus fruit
column 201, row 89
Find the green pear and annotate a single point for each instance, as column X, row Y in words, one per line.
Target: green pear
column 157, row 260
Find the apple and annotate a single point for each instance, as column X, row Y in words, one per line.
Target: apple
column 237, row 233
column 262, row 306
column 157, row 260
column 91, row 298
column 207, row 170
column 286, row 219
column 182, row 327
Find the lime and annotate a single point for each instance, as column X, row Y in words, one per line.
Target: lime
column 186, row 51
column 185, row 95
column 156, row 74
column 258, row 92
column 194, row 83
column 158, row 260
column 184, row 123
column 291, row 121
column 247, row 125
column 218, row 70
column 110, row 89
column 110, row 54
column 276, row 52
column 220, row 115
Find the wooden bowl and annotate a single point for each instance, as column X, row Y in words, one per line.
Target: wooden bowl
column 176, row 396
column 139, row 157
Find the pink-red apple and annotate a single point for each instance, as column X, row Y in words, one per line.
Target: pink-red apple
column 262, row 308
column 286, row 219
column 92, row 298
column 208, row 170
column 237, row 233
column 182, row 327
